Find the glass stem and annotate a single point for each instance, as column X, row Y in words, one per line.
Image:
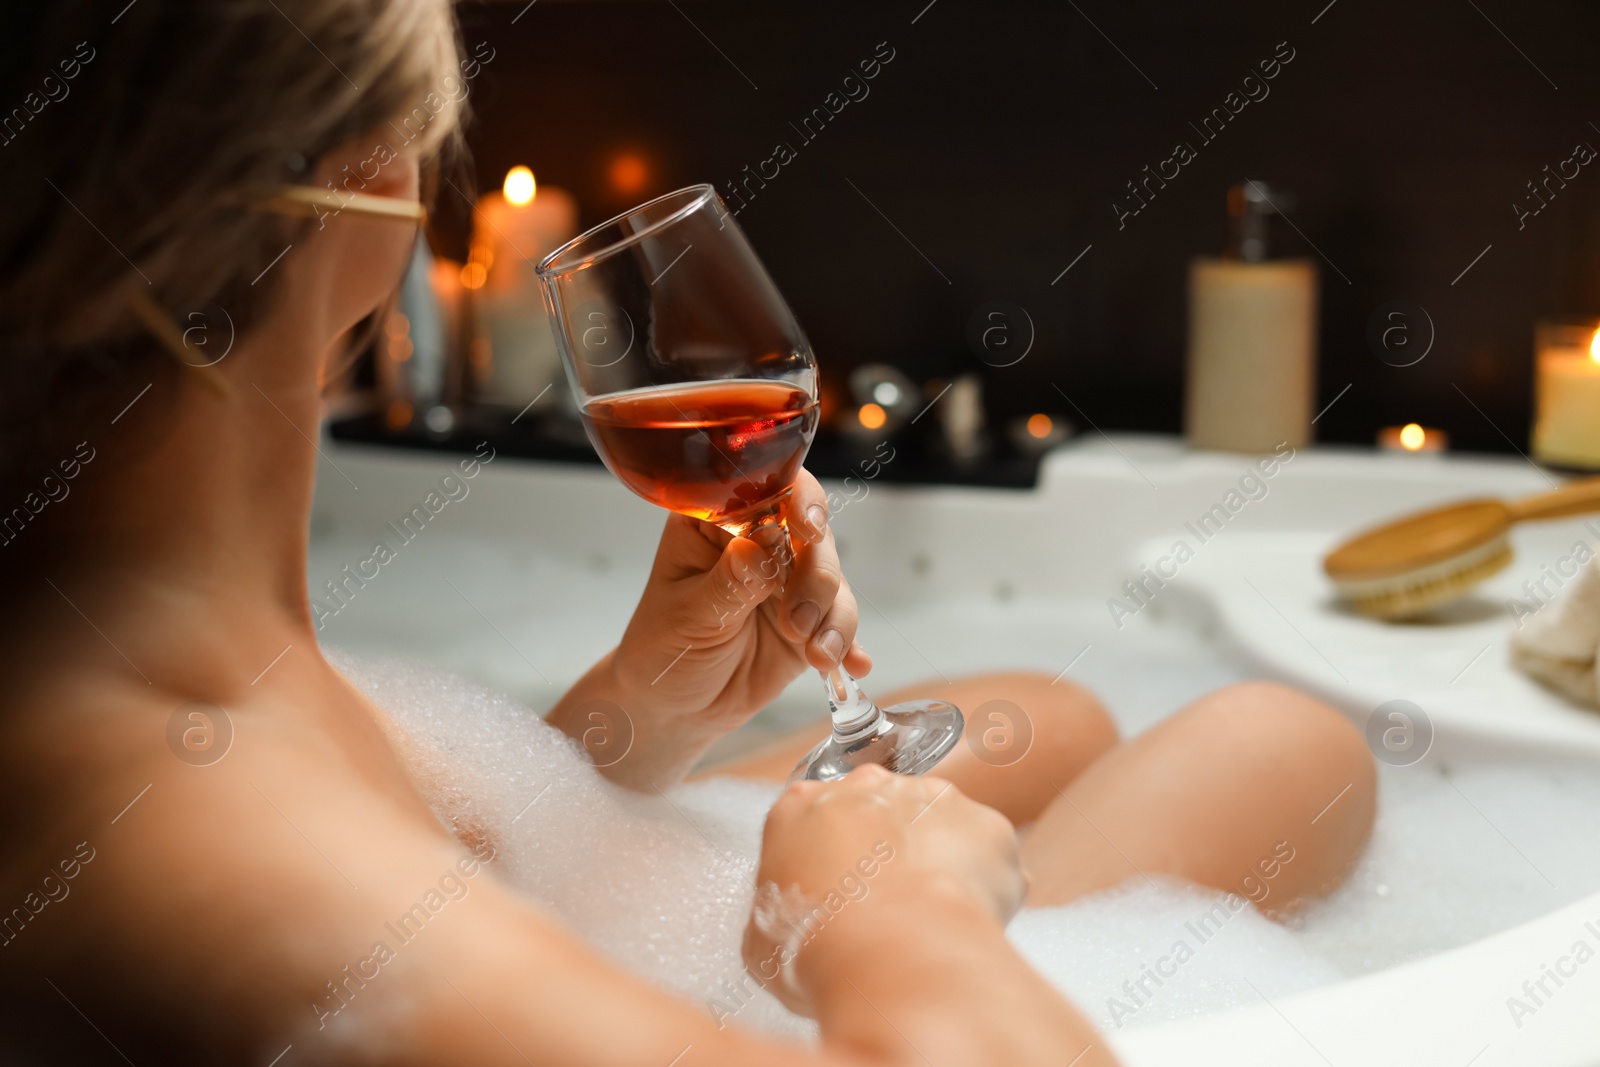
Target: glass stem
column 854, row 714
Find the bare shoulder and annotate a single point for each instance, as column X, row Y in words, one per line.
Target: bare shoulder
column 281, row 884
column 171, row 844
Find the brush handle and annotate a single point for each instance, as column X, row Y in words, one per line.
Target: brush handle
column 1574, row 498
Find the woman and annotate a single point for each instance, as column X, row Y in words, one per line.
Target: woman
column 156, row 554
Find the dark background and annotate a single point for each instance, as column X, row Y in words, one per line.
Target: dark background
column 1000, row 135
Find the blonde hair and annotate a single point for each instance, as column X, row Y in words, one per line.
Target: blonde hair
column 137, row 179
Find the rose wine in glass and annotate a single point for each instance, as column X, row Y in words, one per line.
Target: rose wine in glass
column 699, row 392
column 714, row 450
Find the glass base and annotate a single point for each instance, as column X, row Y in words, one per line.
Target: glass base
column 907, row 738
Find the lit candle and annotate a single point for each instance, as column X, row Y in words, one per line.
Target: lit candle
column 1566, row 428
column 872, row 416
column 512, row 230
column 1412, row 438
column 1036, row 433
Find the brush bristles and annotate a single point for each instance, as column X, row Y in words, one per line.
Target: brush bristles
column 1413, row 596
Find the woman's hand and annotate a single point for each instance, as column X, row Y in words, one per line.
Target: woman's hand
column 850, row 855
column 713, row 641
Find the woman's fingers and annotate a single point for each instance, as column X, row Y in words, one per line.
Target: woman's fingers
column 835, row 635
column 688, row 547
column 818, row 608
column 736, row 585
column 814, row 584
column 807, row 509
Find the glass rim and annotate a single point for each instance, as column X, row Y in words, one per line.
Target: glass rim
column 549, row 266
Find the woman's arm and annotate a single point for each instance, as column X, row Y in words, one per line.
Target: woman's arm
column 903, row 956
column 631, row 742
column 912, row 982
column 276, row 898
column 713, row 640
column 914, row 970
column 927, row 980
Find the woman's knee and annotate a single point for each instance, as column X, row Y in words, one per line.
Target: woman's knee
column 1023, row 715
column 1274, row 721
column 1305, row 757
column 1026, row 738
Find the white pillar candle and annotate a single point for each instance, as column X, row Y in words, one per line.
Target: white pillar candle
column 1566, row 429
column 512, row 230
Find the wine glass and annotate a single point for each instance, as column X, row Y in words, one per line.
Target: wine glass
column 699, row 391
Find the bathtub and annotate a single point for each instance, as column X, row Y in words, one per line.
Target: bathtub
column 528, row 577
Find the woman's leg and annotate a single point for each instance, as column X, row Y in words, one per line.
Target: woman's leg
column 1028, row 737
column 1257, row 789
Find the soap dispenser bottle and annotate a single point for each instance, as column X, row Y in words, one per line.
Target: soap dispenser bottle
column 1252, row 337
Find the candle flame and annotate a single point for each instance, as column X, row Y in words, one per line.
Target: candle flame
column 519, row 188
column 1594, row 347
column 1412, row 437
column 872, row 416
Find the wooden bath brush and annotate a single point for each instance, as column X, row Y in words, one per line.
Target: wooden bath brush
column 1406, row 567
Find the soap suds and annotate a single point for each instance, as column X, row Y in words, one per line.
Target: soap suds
column 663, row 883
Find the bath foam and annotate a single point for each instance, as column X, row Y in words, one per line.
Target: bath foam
column 1458, row 853
column 663, row 884
column 1157, row 950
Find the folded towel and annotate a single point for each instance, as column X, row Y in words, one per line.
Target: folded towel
column 1558, row 642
